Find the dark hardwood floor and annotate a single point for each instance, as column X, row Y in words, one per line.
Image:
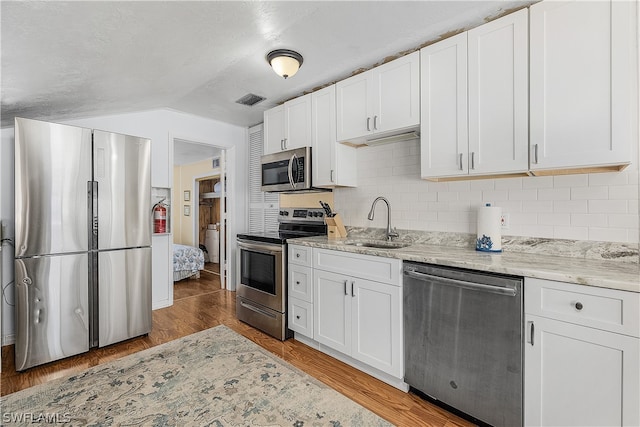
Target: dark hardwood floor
column 201, row 304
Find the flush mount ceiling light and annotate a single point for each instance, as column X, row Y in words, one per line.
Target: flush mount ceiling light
column 284, row 62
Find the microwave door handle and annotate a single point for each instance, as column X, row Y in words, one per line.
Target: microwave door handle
column 293, row 182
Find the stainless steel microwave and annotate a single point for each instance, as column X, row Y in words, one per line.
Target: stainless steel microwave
column 287, row 171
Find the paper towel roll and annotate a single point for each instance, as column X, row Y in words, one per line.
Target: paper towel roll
column 489, row 229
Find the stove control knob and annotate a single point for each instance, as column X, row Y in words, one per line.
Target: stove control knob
column 285, row 213
column 320, row 214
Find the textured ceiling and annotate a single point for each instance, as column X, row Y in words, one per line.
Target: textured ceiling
column 63, row 60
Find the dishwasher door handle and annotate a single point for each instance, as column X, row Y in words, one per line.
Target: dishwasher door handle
column 462, row 283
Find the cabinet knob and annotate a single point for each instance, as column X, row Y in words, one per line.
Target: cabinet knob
column 297, row 317
column 297, row 255
column 297, row 282
column 578, row 306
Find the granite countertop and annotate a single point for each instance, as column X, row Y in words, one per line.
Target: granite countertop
column 595, row 271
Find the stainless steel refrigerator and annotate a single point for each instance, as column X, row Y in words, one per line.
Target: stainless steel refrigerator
column 83, row 240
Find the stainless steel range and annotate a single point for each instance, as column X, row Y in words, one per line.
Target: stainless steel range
column 261, row 299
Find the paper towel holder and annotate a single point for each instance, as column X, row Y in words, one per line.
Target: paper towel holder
column 489, row 241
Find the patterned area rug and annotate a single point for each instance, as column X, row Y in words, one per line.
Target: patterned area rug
column 212, row 378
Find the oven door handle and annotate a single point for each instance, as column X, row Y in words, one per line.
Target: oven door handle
column 256, row 247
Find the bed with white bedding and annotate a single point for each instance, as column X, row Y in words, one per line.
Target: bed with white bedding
column 187, row 262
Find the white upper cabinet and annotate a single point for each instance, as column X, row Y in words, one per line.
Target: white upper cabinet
column 444, row 142
column 583, row 62
column 474, row 101
column 288, row 126
column 380, row 102
column 333, row 164
column 498, row 67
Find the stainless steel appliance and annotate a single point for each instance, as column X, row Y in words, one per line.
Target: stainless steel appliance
column 287, row 171
column 83, row 240
column 463, row 340
column 261, row 294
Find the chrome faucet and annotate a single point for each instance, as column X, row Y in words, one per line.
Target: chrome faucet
column 390, row 233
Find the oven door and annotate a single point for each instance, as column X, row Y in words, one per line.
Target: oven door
column 262, row 274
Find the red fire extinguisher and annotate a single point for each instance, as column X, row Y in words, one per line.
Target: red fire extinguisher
column 160, row 217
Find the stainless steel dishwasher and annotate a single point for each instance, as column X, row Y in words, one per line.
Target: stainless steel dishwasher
column 463, row 340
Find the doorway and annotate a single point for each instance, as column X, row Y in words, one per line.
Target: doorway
column 210, row 219
column 199, row 188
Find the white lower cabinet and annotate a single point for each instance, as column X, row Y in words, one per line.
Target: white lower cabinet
column 578, row 375
column 358, row 316
column 350, row 309
column 300, row 290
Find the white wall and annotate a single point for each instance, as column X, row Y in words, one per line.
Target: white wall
column 598, row 207
column 161, row 126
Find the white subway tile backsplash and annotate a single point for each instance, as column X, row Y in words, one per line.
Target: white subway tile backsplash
column 589, row 193
column 623, row 192
column 483, row 184
column 537, row 206
column 628, row 221
column 588, row 220
column 554, row 219
column 609, row 234
column 609, row 178
column 508, row 184
column 608, row 206
column 554, row 194
column 600, row 206
column 510, row 206
column 530, row 194
column 470, row 196
column 573, row 233
column 571, row 181
column 538, row 231
column 459, row 186
column 523, row 218
column 537, row 182
column 495, row 196
column 570, row 206
column 447, row 196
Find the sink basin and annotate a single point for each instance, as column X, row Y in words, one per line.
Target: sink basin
column 379, row 244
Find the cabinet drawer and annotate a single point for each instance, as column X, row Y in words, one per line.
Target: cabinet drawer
column 301, row 317
column 301, row 282
column 606, row 309
column 380, row 269
column 300, row 255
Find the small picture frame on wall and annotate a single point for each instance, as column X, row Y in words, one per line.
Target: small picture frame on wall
column 187, row 210
column 187, row 195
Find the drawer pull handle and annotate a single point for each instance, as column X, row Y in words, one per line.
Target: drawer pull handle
column 578, row 306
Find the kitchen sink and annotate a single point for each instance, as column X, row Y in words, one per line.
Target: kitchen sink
column 378, row 244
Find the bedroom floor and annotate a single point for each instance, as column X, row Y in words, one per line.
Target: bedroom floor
column 201, row 304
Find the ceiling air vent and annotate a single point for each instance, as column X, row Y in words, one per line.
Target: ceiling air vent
column 250, row 99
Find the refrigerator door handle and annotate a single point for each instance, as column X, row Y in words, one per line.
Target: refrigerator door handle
column 92, row 196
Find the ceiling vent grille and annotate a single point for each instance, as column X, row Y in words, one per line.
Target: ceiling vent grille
column 250, row 99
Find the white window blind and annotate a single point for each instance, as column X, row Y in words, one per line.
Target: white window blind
column 263, row 207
